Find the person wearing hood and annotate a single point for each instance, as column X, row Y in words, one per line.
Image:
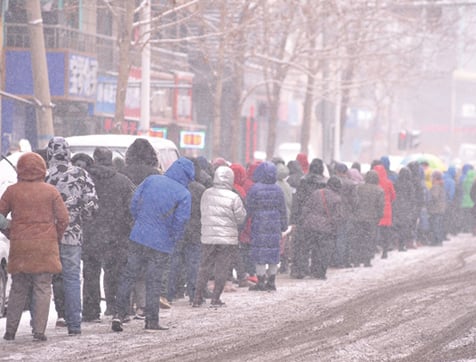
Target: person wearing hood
column 403, row 209
column 449, row 182
column 266, row 207
column 314, row 180
column 160, row 208
column 392, row 175
column 467, row 203
column 436, row 209
column 39, row 219
column 322, row 213
column 368, row 205
column 79, row 194
column 385, row 231
column 106, row 236
column 303, row 161
column 282, row 173
column 140, row 162
column 185, row 259
column 222, row 214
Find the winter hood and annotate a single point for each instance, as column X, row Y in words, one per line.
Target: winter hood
column 265, row 173
column 182, row 171
column 31, row 167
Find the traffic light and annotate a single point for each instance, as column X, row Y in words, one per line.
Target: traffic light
column 413, row 139
column 402, row 140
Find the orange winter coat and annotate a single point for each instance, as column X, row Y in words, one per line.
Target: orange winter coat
column 39, row 219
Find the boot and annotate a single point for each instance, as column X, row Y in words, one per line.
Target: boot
column 271, row 283
column 260, row 286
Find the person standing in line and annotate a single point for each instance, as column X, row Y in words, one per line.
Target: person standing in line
column 186, row 255
column 322, row 213
column 314, row 180
column 106, row 236
column 160, row 208
column 39, row 220
column 266, row 208
column 436, row 209
column 222, row 213
column 385, row 234
column 79, row 194
column 368, row 205
column 403, row 209
column 140, row 162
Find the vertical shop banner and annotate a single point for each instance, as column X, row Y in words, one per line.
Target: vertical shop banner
column 82, row 76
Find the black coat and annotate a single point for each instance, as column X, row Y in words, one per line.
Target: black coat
column 112, row 222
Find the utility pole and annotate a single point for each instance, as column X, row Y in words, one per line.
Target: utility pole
column 144, row 123
column 41, row 85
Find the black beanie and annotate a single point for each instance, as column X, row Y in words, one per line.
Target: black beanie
column 103, row 156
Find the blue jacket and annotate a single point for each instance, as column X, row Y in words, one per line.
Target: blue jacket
column 266, row 207
column 161, row 207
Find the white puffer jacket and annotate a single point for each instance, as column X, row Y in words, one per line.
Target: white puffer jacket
column 222, row 210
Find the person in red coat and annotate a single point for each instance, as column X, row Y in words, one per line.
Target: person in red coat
column 39, row 220
column 385, row 225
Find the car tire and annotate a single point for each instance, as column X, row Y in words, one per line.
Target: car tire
column 3, row 291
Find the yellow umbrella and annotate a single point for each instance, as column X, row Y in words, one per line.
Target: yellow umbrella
column 434, row 162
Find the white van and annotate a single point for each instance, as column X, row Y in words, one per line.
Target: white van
column 167, row 151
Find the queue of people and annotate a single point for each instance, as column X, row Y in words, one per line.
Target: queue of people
column 163, row 236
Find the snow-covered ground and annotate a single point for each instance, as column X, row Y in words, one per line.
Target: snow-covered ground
column 417, row 305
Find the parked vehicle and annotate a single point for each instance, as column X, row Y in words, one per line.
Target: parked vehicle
column 167, row 151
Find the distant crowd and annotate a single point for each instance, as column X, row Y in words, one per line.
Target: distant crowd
column 202, row 227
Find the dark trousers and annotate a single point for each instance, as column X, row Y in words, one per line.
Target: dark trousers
column 437, row 229
column 155, row 263
column 322, row 247
column 111, row 261
column 301, row 253
column 214, row 260
column 363, row 242
column 186, row 258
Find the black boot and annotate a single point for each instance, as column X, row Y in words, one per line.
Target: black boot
column 260, row 286
column 271, row 283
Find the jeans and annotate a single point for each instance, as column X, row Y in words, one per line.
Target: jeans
column 70, row 256
column 155, row 263
column 189, row 252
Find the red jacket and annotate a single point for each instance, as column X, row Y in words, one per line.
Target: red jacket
column 389, row 193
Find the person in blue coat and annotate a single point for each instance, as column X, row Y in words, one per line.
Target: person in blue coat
column 266, row 208
column 160, row 207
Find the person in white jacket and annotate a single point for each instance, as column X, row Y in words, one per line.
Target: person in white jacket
column 222, row 214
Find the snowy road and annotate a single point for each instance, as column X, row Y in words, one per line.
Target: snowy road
column 414, row 306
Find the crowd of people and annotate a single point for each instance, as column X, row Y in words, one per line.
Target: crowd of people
column 188, row 231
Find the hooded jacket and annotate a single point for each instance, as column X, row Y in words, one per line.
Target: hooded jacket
column 266, row 208
column 369, row 200
column 75, row 186
column 222, row 210
column 389, row 192
column 39, row 219
column 313, row 181
column 161, row 207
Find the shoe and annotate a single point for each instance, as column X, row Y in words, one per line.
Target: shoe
column 164, row 303
column 253, row 279
column 126, row 319
column 217, row 303
column 140, row 314
column 384, row 255
column 74, row 332
column 198, row 302
column 60, row 322
column 39, row 337
column 155, row 326
column 243, row 283
column 116, row 325
column 9, row 336
column 229, row 288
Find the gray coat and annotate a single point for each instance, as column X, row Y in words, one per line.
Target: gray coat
column 222, row 210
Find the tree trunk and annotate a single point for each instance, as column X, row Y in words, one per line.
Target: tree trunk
column 41, row 85
column 124, row 40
